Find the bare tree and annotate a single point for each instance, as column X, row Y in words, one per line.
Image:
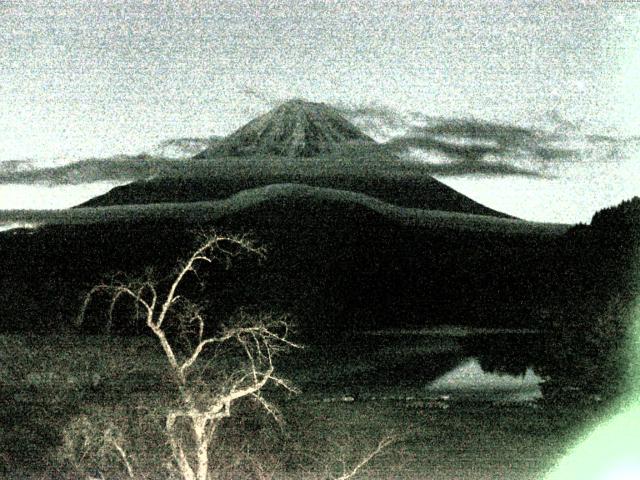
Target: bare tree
column 194, row 357
column 260, row 338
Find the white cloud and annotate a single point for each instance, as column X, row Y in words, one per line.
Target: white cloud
column 432, row 157
column 466, row 141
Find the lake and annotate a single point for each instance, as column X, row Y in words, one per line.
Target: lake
column 451, row 363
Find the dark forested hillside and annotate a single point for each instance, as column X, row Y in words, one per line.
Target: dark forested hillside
column 335, row 258
column 598, row 278
column 342, row 262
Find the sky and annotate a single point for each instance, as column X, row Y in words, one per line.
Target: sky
column 83, row 79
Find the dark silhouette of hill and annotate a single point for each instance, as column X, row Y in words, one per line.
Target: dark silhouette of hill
column 594, row 314
column 325, row 247
column 623, row 217
column 296, row 128
column 207, row 211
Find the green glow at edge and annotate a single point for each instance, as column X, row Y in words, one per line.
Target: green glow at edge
column 612, row 450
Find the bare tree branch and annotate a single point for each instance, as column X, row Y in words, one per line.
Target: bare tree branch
column 384, row 443
column 271, row 409
column 121, row 452
column 178, row 452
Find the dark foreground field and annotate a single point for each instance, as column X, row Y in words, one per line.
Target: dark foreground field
column 56, row 387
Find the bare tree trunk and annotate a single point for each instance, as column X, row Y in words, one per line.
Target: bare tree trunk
column 202, row 447
column 178, row 452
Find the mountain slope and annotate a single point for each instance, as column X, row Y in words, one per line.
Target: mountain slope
column 295, row 129
column 390, row 180
column 279, row 195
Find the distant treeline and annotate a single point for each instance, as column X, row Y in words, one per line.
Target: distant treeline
column 620, row 217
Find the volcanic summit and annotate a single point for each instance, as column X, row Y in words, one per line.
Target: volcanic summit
column 296, row 128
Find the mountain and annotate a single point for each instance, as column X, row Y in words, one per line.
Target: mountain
column 296, row 128
column 302, row 143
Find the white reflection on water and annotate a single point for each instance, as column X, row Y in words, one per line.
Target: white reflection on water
column 469, row 377
column 50, row 197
